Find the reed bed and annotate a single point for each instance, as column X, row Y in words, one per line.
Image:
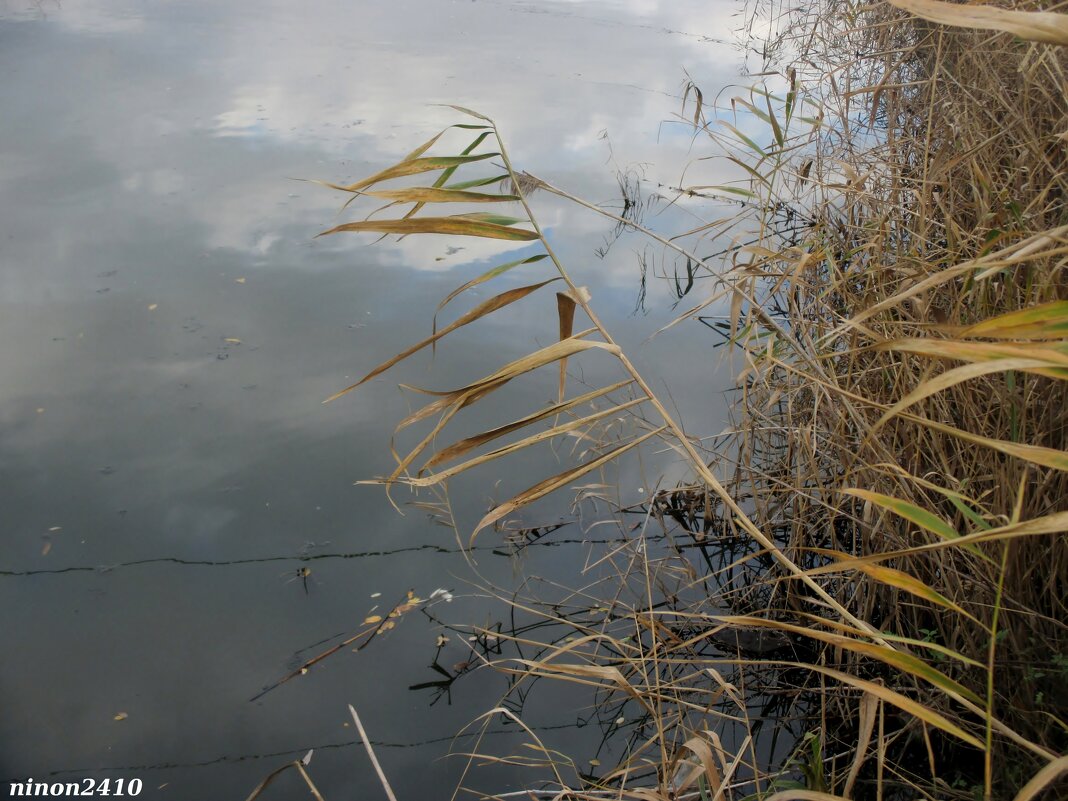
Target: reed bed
column 928, row 287
column 873, row 568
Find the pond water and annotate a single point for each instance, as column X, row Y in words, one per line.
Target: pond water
column 169, row 326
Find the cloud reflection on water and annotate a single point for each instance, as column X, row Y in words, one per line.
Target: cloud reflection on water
column 144, row 156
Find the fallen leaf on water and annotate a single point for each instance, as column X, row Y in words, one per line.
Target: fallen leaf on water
column 372, row 618
column 595, row 763
column 376, row 594
column 47, row 547
column 40, row 410
column 388, row 625
column 153, row 306
column 239, row 280
column 56, row 528
column 442, row 640
column 234, row 340
column 121, row 716
column 405, row 608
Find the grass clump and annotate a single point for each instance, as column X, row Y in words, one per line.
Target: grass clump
column 924, row 465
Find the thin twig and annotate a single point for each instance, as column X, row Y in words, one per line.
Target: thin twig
column 371, row 753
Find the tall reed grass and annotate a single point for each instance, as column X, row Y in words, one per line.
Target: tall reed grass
column 884, row 568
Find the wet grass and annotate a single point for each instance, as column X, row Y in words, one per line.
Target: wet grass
column 874, row 567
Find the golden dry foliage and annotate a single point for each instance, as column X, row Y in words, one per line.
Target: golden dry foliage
column 922, row 468
column 896, row 285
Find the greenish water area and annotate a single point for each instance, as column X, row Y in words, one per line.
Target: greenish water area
column 169, row 326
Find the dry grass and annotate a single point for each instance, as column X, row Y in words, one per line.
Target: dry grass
column 889, row 550
column 909, row 412
column 930, row 288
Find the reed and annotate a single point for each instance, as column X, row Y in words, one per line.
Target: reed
column 885, row 565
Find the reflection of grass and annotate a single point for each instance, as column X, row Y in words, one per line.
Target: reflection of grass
column 894, row 280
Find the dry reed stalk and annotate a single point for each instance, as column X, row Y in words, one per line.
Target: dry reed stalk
column 896, row 513
column 930, row 282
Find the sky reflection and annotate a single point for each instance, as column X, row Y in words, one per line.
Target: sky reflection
column 170, row 325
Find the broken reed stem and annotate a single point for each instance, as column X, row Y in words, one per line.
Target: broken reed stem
column 371, row 753
column 274, row 774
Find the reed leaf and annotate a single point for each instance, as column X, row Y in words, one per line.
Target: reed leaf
column 1037, row 454
column 534, row 439
column 602, row 673
column 964, row 504
column 1035, row 26
column 906, row 663
column 1055, row 358
column 423, row 148
column 909, row 511
column 752, row 145
column 477, row 182
column 902, row 702
column 458, row 449
column 489, row 275
column 958, row 375
column 565, row 312
column 448, row 172
column 411, row 167
column 430, row 194
column 1055, row 523
column 1052, row 771
column 889, row 576
column 452, row 401
column 461, row 225
column 553, row 483
column 1042, row 322
column 485, row 308
column 533, row 361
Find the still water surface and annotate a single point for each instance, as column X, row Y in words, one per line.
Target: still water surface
column 169, row 327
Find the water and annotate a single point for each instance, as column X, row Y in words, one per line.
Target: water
column 170, row 326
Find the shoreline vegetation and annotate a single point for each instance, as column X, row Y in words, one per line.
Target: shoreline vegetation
column 873, row 566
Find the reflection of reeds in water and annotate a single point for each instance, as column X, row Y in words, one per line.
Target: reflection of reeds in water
column 885, row 570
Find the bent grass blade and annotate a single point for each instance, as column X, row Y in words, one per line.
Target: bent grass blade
column 1035, row 26
column 526, row 442
column 485, row 308
column 543, row 488
column 489, row 275
column 458, row 449
column 429, row 194
column 907, row 663
column 459, row 225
